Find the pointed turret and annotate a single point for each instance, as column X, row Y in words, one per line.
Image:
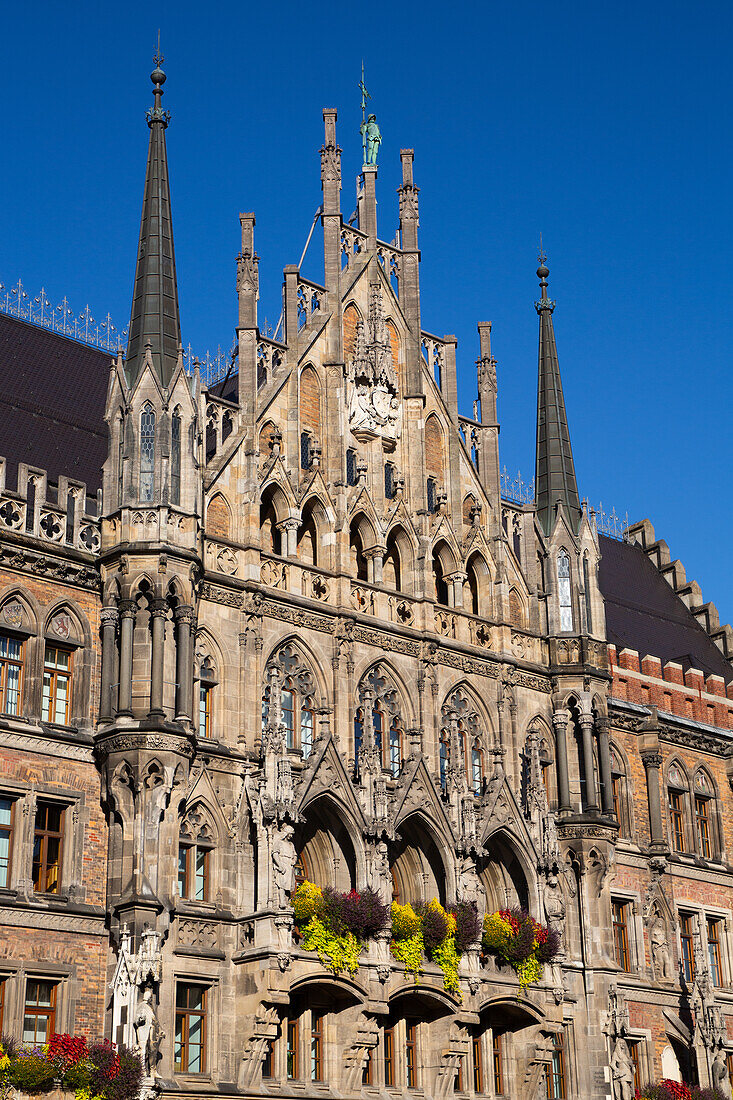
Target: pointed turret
column 155, row 320
column 554, row 472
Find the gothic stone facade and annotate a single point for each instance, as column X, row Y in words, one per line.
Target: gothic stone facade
column 300, row 633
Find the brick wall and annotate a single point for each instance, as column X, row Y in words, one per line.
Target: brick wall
column 310, row 402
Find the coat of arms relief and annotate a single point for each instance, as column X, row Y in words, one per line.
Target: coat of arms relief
column 372, row 391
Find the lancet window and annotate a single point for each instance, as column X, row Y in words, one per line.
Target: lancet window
column 378, row 721
column 147, row 451
column 462, row 743
column 294, row 712
column 564, row 593
column 196, row 841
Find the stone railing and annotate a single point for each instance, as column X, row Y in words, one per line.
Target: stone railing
column 61, row 514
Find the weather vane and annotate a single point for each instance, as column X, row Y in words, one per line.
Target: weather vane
column 158, row 59
column 541, row 255
column 370, row 135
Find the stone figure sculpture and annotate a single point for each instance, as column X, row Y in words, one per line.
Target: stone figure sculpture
column 283, row 864
column 555, row 908
column 719, row 1074
column 622, row 1071
column 661, row 958
column 371, row 138
column 148, row 1033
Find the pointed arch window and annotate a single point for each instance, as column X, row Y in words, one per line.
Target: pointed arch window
column 207, row 683
column 147, row 452
column 176, row 457
column 297, row 703
column 351, row 475
column 195, row 846
column 564, row 592
column 386, row 721
column 677, row 793
column 704, row 815
column 588, row 601
column 462, row 742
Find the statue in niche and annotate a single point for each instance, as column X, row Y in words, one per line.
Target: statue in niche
column 470, row 887
column 719, row 1075
column 283, row 864
column 661, row 957
column 554, row 902
column 371, row 139
column 372, row 393
column 622, row 1071
column 148, row 1033
column 380, row 876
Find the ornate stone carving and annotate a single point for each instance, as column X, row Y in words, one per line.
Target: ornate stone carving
column 372, row 393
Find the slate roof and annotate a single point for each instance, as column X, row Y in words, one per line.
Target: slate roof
column 644, row 613
column 52, row 396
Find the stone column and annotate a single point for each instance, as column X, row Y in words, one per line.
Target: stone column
column 456, row 582
column 184, row 671
column 604, row 764
column 591, row 794
column 560, row 720
column 158, row 613
column 375, row 560
column 128, row 611
column 110, row 617
column 369, row 206
column 289, row 533
column 652, row 761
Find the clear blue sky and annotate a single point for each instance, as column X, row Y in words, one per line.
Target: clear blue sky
column 605, row 127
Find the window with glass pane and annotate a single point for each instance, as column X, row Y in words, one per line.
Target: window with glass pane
column 702, row 817
column 586, row 586
column 306, row 729
column 555, row 1073
column 432, row 487
column 395, row 748
column 39, row 1014
column 351, row 478
column 358, row 733
column 620, row 933
column 634, row 1052
column 687, row 946
column 11, row 672
column 147, row 452
column 411, row 1054
column 305, row 451
column 193, row 872
column 477, row 771
column 56, row 685
column 677, row 819
column 498, row 1059
column 6, row 841
column 716, row 969
column 564, row 593
column 317, row 1023
column 389, row 1057
column 478, row 1064
column 287, row 705
column 377, row 723
column 444, row 757
column 292, row 1060
column 190, row 1030
column 176, row 459
column 47, row 841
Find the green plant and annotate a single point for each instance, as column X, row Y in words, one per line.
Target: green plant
column 336, row 950
column 409, row 951
column 30, row 1071
column 447, row 956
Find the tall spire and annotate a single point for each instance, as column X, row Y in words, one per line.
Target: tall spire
column 155, row 319
column 555, row 472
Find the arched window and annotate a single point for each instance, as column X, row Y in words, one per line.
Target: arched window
column 462, row 741
column 563, row 590
column 620, row 793
column 207, row 683
column 305, row 451
column 195, row 845
column 704, row 815
column 390, row 483
column 297, row 706
column 386, row 721
column 432, row 494
column 677, row 795
column 588, row 600
column 176, row 457
column 147, row 452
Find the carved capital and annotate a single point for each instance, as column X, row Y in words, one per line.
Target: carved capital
column 109, row 616
column 652, row 758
